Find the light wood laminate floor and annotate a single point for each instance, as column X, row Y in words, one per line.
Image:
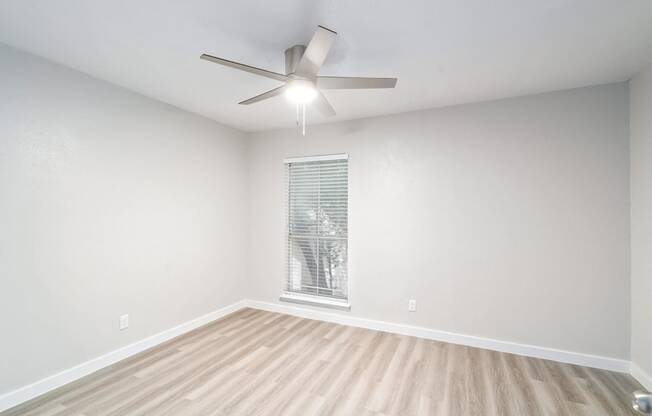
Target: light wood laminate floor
column 261, row 363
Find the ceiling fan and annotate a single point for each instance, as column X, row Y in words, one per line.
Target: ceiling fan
column 301, row 84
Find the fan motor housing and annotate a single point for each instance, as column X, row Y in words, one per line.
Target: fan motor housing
column 292, row 57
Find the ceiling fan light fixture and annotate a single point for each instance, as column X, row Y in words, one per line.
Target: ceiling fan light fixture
column 301, row 83
column 301, row 91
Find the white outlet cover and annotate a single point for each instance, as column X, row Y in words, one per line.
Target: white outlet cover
column 124, row 322
column 412, row 305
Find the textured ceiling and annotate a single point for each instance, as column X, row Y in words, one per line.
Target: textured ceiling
column 443, row 51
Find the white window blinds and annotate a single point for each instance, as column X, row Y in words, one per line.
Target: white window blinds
column 317, row 227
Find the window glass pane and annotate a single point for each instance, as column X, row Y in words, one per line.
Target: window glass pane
column 332, row 270
column 303, row 265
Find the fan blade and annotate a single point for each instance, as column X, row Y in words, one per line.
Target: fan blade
column 344, row 83
column 243, row 67
column 265, row 95
column 324, row 106
column 316, row 52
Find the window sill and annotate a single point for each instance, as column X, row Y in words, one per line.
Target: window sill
column 314, row 301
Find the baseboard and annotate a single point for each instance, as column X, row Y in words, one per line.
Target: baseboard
column 641, row 376
column 23, row 394
column 605, row 363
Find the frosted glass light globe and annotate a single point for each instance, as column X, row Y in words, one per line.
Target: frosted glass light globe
column 301, row 91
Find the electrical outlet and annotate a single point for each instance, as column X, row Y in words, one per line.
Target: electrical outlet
column 412, row 305
column 124, row 322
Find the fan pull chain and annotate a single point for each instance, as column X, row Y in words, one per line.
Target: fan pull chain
column 301, row 120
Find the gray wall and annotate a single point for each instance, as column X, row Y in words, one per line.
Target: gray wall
column 110, row 203
column 641, row 186
column 506, row 219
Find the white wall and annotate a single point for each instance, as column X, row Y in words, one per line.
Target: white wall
column 110, row 203
column 506, row 219
column 641, row 188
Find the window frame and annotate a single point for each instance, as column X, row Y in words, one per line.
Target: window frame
column 307, row 299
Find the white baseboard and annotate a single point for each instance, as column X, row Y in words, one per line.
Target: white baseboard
column 641, row 376
column 605, row 363
column 23, row 394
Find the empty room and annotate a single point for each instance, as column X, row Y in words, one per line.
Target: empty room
column 326, row 207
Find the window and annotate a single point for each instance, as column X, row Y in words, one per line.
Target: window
column 317, row 230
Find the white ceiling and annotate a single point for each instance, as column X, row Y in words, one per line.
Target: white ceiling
column 442, row 51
